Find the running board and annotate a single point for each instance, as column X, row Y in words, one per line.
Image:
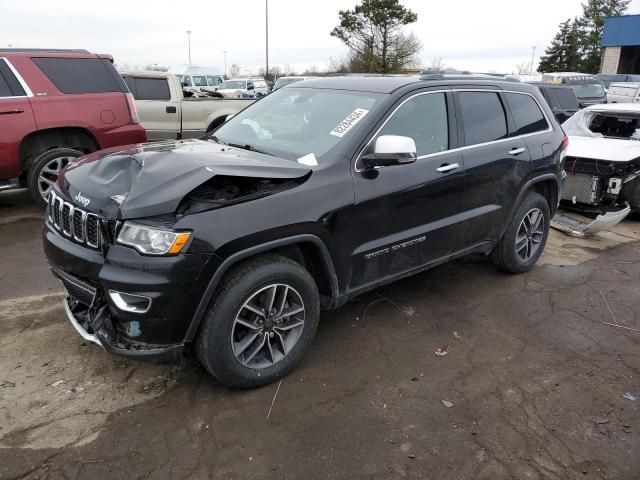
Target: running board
column 578, row 228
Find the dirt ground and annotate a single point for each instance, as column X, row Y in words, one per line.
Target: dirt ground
column 533, row 382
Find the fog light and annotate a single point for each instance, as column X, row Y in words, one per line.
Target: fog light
column 129, row 302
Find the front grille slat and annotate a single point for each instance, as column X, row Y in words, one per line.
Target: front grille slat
column 73, row 222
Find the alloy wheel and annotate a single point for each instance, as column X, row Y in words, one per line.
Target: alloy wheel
column 268, row 326
column 530, row 234
column 48, row 175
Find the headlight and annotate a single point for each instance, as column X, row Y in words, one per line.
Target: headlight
column 152, row 241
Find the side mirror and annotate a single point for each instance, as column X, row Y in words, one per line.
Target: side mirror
column 391, row 150
column 250, row 87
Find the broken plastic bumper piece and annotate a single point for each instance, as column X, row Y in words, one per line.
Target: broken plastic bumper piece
column 579, row 228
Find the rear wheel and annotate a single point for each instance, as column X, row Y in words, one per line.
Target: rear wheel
column 45, row 170
column 522, row 244
column 260, row 324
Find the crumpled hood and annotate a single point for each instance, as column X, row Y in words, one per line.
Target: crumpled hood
column 151, row 179
column 609, row 149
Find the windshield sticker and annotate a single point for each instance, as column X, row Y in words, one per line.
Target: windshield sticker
column 348, row 123
column 309, row 159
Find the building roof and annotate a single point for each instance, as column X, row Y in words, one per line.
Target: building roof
column 621, row 31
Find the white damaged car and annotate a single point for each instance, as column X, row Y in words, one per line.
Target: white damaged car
column 603, row 164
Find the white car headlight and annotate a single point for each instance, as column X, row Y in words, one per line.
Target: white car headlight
column 152, row 241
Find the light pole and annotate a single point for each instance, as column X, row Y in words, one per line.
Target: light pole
column 189, row 44
column 225, row 63
column 533, row 56
column 266, row 19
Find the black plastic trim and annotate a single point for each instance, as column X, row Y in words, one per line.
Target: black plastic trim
column 249, row 252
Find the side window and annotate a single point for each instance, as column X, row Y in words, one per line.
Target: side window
column 249, row 85
column 9, row 84
column 423, row 118
column 129, row 82
column 186, row 80
column 526, row 114
column 483, row 117
column 152, row 89
column 81, row 75
column 5, row 91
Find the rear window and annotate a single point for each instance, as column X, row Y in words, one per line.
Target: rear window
column 150, row 89
column 526, row 113
column 81, row 75
column 483, row 117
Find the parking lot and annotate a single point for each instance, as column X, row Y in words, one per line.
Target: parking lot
column 532, row 385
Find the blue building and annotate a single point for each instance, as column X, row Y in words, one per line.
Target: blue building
column 621, row 45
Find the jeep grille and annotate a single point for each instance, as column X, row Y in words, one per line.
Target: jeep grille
column 73, row 222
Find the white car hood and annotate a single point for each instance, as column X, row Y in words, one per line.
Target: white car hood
column 609, row 149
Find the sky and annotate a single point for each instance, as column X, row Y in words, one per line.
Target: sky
column 487, row 36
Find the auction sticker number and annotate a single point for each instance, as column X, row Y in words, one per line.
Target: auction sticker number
column 348, row 123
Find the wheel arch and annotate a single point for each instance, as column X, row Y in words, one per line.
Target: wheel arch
column 40, row 141
column 306, row 249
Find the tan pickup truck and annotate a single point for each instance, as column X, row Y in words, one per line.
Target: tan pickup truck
column 166, row 113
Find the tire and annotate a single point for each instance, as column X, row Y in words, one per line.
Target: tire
column 45, row 169
column 518, row 259
column 219, row 345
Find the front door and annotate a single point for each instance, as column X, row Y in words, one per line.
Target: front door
column 406, row 216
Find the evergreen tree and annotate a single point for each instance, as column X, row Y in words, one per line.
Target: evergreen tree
column 591, row 26
column 563, row 55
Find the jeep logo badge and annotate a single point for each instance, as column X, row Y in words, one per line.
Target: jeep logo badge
column 82, row 199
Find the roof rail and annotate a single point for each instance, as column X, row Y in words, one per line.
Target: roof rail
column 463, row 76
column 44, row 50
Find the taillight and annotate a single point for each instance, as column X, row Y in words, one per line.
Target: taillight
column 563, row 148
column 131, row 104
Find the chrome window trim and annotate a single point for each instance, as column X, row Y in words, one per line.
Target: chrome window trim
column 466, row 147
column 23, row 84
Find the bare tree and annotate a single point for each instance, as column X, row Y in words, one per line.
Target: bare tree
column 234, row 70
column 154, row 67
column 437, row 64
column 311, row 71
column 275, row 71
column 523, row 68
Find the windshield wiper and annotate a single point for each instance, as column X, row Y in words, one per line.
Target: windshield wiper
column 251, row 148
column 217, row 140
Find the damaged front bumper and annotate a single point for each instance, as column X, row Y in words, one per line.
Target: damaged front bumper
column 94, row 324
column 579, row 228
column 105, row 290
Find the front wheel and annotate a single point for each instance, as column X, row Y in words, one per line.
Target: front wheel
column 523, row 242
column 261, row 323
column 45, row 170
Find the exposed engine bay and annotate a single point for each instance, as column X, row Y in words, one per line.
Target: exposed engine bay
column 226, row 190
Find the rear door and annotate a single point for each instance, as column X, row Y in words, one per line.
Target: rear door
column 16, row 121
column 494, row 164
column 406, row 216
column 159, row 114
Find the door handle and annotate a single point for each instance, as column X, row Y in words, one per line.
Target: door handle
column 171, row 109
column 11, row 112
column 447, row 167
column 517, row 151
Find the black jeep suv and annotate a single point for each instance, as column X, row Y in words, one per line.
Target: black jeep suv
column 318, row 192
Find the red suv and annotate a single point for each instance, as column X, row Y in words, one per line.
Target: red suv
column 56, row 105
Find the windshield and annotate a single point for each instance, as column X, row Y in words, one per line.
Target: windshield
column 234, row 84
column 281, row 82
column 296, row 122
column 588, row 90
